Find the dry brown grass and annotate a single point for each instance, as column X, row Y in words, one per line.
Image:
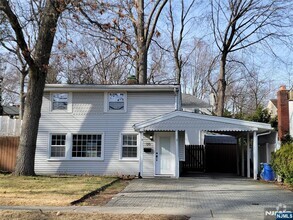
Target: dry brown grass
column 29, row 215
column 47, row 190
column 105, row 196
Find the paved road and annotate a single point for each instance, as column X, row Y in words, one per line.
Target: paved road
column 204, row 197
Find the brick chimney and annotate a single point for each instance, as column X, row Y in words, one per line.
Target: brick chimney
column 283, row 112
column 291, row 112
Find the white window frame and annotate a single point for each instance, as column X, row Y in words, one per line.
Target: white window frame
column 137, row 145
column 106, row 103
column 87, row 158
column 50, row 146
column 69, row 103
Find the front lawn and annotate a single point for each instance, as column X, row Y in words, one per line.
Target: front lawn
column 47, row 190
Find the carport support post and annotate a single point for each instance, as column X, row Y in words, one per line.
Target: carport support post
column 242, row 156
column 255, row 155
column 248, row 156
column 237, row 157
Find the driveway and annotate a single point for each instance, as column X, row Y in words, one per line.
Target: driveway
column 204, row 197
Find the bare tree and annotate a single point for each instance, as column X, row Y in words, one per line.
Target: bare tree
column 176, row 41
column 133, row 26
column 239, row 24
column 37, row 62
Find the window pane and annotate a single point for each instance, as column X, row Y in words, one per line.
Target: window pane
column 59, row 101
column 129, row 145
column 129, row 152
column 86, row 145
column 58, row 145
column 116, row 101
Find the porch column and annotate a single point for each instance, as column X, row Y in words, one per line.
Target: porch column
column 255, row 155
column 248, row 156
column 242, row 156
column 268, row 152
column 177, row 154
column 140, row 154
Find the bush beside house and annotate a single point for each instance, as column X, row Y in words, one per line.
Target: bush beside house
column 282, row 162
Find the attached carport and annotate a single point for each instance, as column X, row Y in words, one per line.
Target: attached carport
column 195, row 126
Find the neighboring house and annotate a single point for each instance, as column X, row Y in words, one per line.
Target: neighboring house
column 11, row 111
column 128, row 129
column 192, row 104
column 272, row 108
column 9, row 122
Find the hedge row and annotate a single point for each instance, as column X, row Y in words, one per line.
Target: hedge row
column 282, row 162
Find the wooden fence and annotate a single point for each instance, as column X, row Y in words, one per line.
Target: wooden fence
column 8, row 151
column 194, row 158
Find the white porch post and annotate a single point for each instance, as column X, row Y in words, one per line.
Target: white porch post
column 268, row 152
column 255, row 155
column 242, row 157
column 177, row 154
column 141, row 154
column 248, row 156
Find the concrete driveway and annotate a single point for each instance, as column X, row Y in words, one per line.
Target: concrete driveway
column 202, row 197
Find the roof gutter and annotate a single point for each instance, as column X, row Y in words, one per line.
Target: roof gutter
column 100, row 88
column 265, row 133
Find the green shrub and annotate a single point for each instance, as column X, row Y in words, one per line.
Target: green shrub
column 282, row 162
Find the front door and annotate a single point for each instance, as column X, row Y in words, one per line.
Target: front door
column 165, row 154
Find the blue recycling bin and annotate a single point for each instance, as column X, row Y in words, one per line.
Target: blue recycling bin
column 267, row 172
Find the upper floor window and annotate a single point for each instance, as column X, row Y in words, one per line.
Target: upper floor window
column 116, row 102
column 59, row 101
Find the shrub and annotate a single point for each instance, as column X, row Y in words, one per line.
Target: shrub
column 282, row 162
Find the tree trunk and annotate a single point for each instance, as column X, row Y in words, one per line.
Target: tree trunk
column 27, row 146
column 38, row 68
column 220, row 105
column 22, row 95
column 142, row 50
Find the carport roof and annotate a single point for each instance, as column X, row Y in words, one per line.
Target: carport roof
column 181, row 121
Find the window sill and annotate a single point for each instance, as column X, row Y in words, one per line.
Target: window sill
column 115, row 112
column 74, row 159
column 60, row 112
column 129, row 159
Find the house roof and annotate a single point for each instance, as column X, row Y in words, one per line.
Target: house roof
column 95, row 88
column 181, row 121
column 190, row 101
column 10, row 110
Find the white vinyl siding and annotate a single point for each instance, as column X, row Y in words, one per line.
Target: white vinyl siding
column 88, row 117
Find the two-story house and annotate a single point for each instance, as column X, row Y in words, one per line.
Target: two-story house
column 127, row 129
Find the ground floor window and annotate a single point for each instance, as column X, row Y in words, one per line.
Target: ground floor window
column 58, row 145
column 129, row 146
column 87, row 145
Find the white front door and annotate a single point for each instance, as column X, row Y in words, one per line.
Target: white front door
column 165, row 154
